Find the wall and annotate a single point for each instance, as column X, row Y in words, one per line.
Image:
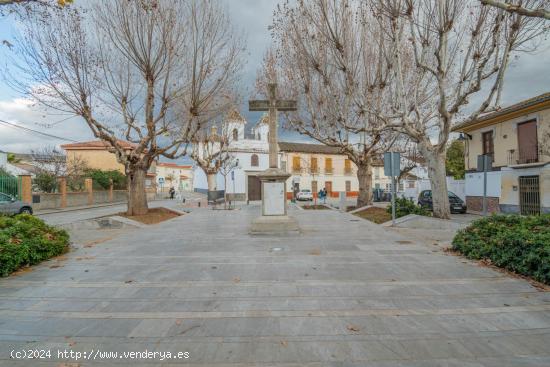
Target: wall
column 474, row 184
column 509, row 201
column 457, row 187
column 96, row 159
column 505, row 138
column 53, row 201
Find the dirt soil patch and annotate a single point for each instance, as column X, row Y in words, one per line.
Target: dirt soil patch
column 374, row 214
column 153, row 216
column 315, row 207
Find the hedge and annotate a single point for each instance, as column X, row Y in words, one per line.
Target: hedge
column 27, row 240
column 518, row 244
column 404, row 206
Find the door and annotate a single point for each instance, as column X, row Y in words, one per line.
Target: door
column 328, row 186
column 529, row 195
column 527, row 142
column 488, row 146
column 254, row 188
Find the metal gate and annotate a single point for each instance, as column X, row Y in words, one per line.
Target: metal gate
column 529, row 195
column 11, row 186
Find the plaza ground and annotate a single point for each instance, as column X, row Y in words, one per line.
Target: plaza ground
column 345, row 292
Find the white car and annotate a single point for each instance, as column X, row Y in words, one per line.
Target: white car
column 304, row 195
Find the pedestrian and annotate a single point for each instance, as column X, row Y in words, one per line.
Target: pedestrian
column 322, row 195
column 325, row 193
column 172, row 192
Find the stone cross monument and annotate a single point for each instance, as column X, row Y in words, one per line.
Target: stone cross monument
column 274, row 219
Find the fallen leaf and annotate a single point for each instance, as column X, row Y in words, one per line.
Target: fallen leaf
column 128, row 281
column 236, row 280
column 178, row 322
column 353, row 328
column 315, row 252
column 284, row 343
column 55, row 266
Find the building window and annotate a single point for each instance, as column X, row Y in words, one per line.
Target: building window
column 328, row 165
column 488, row 147
column 401, row 186
column 313, row 165
column 283, row 165
column 347, row 167
column 411, row 185
column 235, row 135
column 296, row 166
column 348, row 186
column 314, row 187
column 254, row 161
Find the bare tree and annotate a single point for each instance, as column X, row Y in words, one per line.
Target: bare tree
column 54, row 163
column 541, row 9
column 227, row 166
column 148, row 73
column 49, row 160
column 34, row 2
column 211, row 151
column 329, row 58
column 445, row 54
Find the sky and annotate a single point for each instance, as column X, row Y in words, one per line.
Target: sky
column 527, row 77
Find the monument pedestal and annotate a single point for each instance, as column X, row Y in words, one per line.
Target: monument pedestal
column 274, row 219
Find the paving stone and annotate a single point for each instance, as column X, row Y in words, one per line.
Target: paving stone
column 340, row 294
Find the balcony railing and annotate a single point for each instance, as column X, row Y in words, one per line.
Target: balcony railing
column 348, row 171
column 314, row 170
column 517, row 157
column 296, row 169
column 328, row 170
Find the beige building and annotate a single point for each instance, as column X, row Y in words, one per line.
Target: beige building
column 316, row 166
column 517, row 140
column 180, row 177
column 98, row 154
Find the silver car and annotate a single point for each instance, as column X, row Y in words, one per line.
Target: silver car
column 9, row 205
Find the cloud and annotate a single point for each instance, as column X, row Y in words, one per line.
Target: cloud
column 23, row 112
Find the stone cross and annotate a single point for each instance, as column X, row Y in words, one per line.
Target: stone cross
column 273, row 105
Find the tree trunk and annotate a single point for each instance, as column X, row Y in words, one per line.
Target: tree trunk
column 211, row 177
column 364, row 176
column 137, row 197
column 435, row 162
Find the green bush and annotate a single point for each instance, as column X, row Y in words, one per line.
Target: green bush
column 516, row 243
column 102, row 178
column 404, row 206
column 27, row 240
column 45, row 182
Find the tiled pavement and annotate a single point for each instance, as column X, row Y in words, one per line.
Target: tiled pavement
column 343, row 293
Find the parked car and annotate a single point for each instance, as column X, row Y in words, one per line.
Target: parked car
column 304, row 195
column 457, row 204
column 10, row 205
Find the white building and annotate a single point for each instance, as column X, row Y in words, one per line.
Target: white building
column 12, row 169
column 250, row 151
column 168, row 175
